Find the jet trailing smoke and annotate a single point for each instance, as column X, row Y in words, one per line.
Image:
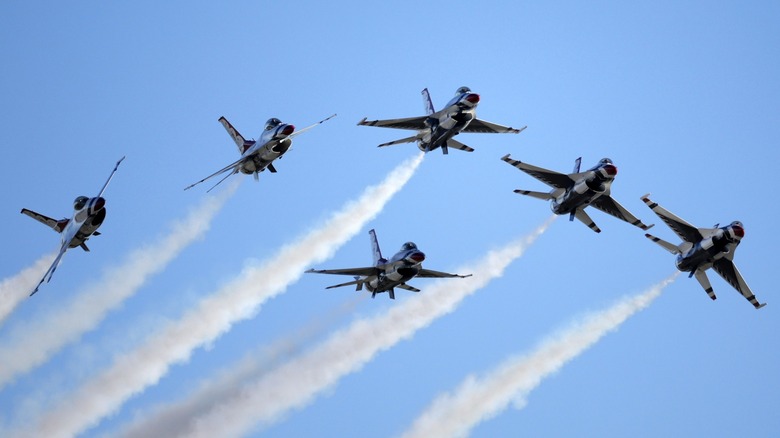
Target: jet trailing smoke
column 15, row 289
column 33, row 342
column 455, row 414
column 214, row 315
column 297, row 382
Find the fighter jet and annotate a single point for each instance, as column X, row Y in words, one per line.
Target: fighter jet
column 385, row 275
column 437, row 128
column 88, row 215
column 704, row 248
column 573, row 192
column 256, row 156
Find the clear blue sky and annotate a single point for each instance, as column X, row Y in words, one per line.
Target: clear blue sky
column 683, row 97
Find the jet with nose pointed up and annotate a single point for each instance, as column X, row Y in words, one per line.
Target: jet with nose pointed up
column 574, row 191
column 88, row 215
column 705, row 248
column 437, row 128
column 256, row 156
column 385, row 275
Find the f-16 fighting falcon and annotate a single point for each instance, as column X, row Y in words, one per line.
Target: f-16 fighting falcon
column 437, row 128
column 574, row 191
column 256, row 156
column 88, row 215
column 704, row 248
column 386, row 275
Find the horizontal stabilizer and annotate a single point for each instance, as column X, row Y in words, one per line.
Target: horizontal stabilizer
column 585, row 219
column 359, row 284
column 674, row 249
column 545, row 196
column 455, row 144
column 56, row 225
column 403, row 140
column 701, row 276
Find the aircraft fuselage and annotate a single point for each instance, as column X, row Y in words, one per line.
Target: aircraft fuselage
column 402, row 267
column 704, row 253
column 89, row 214
column 456, row 116
column 273, row 143
column 596, row 182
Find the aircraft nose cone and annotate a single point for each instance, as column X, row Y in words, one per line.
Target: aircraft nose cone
column 610, row 169
column 738, row 231
column 99, row 204
column 473, row 98
column 288, row 129
column 417, row 256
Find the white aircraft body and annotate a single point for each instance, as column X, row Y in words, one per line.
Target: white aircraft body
column 705, row 248
column 88, row 215
column 437, row 128
column 385, row 275
column 256, row 156
column 574, row 191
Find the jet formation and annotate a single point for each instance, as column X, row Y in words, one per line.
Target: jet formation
column 571, row 194
column 386, row 275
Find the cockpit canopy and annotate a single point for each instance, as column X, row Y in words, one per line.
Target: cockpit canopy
column 463, row 90
column 408, row 246
column 272, row 123
column 605, row 161
column 80, row 202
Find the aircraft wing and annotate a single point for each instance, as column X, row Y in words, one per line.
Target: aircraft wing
column 53, row 267
column 427, row 273
column 726, row 269
column 301, row 131
column 549, row 177
column 232, row 166
column 484, row 127
column 407, row 287
column 56, row 225
column 414, row 123
column 348, row 271
column 684, row 230
column 610, row 206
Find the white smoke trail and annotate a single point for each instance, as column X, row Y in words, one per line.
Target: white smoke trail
column 167, row 420
column 475, row 400
column 33, row 342
column 14, row 290
column 297, row 382
column 237, row 300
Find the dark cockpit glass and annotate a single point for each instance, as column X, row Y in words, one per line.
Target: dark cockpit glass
column 272, row 123
column 463, row 90
column 605, row 161
column 408, row 246
column 80, row 202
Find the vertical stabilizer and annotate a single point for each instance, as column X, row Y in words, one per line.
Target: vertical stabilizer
column 577, row 164
column 239, row 139
column 427, row 102
column 376, row 253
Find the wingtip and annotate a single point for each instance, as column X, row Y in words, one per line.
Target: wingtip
column 645, row 197
column 760, row 306
column 362, row 121
column 505, row 157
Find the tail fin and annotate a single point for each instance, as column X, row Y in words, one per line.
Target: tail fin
column 427, row 102
column 376, row 253
column 577, row 163
column 241, row 143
